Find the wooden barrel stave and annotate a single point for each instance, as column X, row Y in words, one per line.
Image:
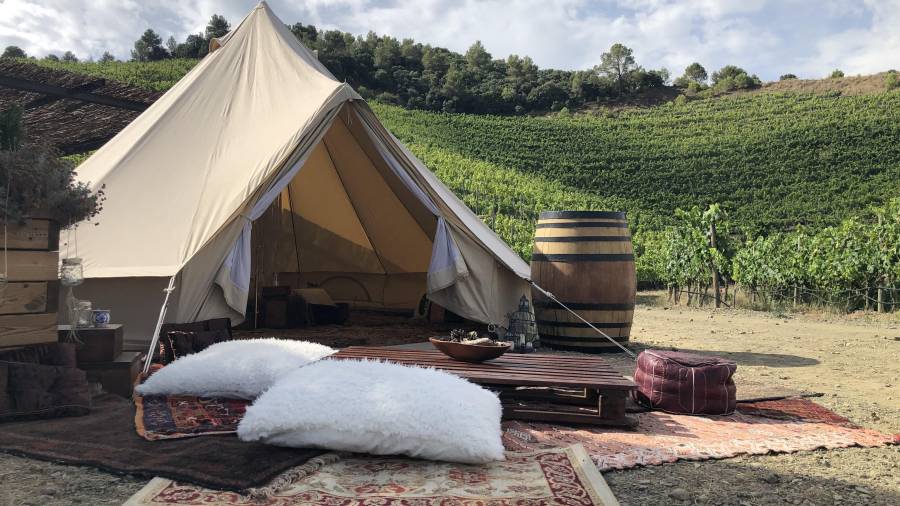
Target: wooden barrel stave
column 586, row 259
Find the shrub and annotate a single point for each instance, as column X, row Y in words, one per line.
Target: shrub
column 836, row 73
column 891, row 81
column 388, row 98
column 37, row 180
column 730, row 78
column 785, row 77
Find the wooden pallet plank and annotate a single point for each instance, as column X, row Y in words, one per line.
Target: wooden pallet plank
column 524, row 369
column 535, row 358
column 32, row 265
column 556, row 378
column 34, row 234
column 20, row 330
column 494, row 366
column 497, row 371
column 28, row 297
column 557, row 413
column 592, row 364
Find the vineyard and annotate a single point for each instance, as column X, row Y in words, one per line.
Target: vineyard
column 852, row 265
column 772, row 160
column 800, row 186
column 155, row 75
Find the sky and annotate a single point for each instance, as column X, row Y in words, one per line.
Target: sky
column 809, row 38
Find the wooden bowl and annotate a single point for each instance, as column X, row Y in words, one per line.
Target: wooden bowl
column 473, row 353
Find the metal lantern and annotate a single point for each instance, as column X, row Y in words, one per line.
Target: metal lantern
column 522, row 330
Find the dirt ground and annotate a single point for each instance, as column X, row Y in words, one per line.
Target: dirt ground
column 854, row 361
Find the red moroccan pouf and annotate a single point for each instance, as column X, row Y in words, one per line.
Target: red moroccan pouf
column 685, row 383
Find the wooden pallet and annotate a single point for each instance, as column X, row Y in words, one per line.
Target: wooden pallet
column 533, row 387
column 29, row 301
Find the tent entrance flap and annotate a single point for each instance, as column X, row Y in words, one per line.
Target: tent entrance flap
column 349, row 223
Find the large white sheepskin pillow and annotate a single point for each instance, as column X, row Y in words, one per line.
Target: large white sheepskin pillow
column 378, row 408
column 241, row 369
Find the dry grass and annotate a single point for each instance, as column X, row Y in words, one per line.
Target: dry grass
column 852, row 85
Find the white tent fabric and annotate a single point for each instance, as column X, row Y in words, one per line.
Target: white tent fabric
column 259, row 133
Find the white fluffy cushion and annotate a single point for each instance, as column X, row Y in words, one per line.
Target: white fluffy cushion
column 379, row 408
column 237, row 369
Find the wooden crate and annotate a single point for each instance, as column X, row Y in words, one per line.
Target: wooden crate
column 117, row 376
column 30, row 299
column 101, row 344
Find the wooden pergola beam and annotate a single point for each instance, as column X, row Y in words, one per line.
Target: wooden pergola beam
column 84, row 146
column 47, row 99
column 70, row 93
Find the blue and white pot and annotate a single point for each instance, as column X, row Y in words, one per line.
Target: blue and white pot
column 100, row 317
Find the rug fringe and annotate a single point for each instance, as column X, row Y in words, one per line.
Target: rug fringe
column 291, row 476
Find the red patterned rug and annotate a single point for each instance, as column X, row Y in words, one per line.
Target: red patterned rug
column 782, row 426
column 545, row 477
column 171, row 417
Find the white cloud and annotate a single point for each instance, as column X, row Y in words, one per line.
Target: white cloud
column 861, row 51
column 768, row 37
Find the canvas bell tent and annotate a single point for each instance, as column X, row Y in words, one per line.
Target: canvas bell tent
column 259, row 163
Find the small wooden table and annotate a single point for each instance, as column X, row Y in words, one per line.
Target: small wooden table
column 532, row 387
column 101, row 344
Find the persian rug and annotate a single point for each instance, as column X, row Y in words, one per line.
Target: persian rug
column 782, row 426
column 159, row 417
column 546, row 477
column 105, row 439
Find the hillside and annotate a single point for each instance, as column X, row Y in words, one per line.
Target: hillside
column 774, row 160
column 850, row 85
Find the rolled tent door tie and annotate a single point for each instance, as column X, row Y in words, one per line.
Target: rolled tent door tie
column 447, row 265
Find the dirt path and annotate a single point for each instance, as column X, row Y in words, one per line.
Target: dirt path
column 854, row 362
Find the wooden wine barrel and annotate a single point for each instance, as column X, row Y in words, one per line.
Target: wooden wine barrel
column 585, row 259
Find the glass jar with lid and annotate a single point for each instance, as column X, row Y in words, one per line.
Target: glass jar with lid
column 71, row 273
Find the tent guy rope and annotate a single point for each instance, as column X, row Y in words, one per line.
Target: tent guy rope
column 589, row 324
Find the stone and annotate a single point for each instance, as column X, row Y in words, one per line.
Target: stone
column 680, row 494
column 771, row 478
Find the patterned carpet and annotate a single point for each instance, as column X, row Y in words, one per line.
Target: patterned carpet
column 546, row 477
column 782, row 426
column 159, row 417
